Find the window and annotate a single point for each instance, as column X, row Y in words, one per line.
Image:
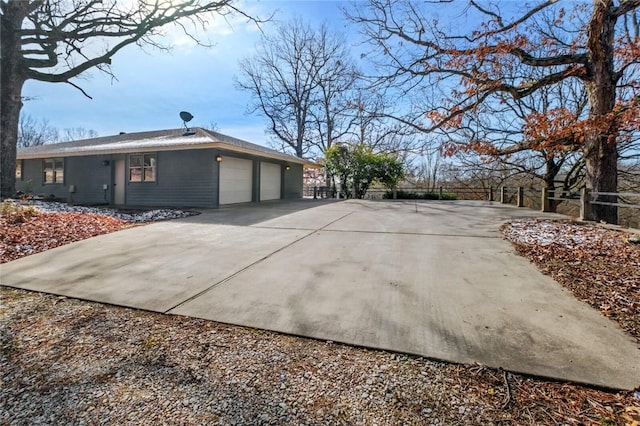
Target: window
column 19, row 170
column 53, row 170
column 142, row 168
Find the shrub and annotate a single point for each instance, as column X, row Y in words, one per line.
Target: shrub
column 412, row 195
column 16, row 213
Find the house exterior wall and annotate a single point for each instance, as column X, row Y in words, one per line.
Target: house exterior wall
column 185, row 178
column 292, row 182
column 87, row 174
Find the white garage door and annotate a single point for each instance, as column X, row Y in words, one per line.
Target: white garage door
column 270, row 180
column 236, row 180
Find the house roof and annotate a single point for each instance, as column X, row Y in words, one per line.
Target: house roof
column 157, row 140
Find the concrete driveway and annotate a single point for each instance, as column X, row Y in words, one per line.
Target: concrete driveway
column 428, row 278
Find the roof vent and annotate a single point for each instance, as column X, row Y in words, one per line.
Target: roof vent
column 122, row 133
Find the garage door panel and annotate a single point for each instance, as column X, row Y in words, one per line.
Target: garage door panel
column 236, row 180
column 270, row 181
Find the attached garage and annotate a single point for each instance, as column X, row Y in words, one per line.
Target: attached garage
column 270, row 181
column 236, row 180
column 198, row 168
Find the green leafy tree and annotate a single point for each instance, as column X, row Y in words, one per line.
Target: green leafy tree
column 357, row 167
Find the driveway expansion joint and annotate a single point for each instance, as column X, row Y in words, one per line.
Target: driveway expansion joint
column 238, row 272
column 257, row 262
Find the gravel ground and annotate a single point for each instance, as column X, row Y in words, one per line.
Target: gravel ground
column 131, row 216
column 65, row 361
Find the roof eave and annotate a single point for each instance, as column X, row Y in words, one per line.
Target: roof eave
column 156, row 148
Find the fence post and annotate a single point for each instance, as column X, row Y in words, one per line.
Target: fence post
column 315, row 192
column 491, row 193
column 545, row 199
column 585, row 208
column 520, row 197
column 503, row 195
column 440, row 194
column 395, row 193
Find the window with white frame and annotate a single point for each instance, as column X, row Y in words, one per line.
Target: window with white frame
column 142, row 168
column 53, row 170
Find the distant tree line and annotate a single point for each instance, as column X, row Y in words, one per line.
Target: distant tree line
column 35, row 132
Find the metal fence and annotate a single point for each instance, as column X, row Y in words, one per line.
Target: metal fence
column 318, row 192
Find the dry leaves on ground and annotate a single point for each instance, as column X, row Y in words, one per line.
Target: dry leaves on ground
column 600, row 266
column 65, row 361
column 29, row 234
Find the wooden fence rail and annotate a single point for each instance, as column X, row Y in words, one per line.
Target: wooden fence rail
column 588, row 198
column 507, row 194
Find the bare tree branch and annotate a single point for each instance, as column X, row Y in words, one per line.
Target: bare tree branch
column 55, row 41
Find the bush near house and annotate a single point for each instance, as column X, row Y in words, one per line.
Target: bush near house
column 13, row 213
column 412, row 195
column 357, row 167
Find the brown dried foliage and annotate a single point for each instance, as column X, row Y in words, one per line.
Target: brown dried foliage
column 23, row 233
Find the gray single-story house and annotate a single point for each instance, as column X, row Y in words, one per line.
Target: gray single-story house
column 164, row 168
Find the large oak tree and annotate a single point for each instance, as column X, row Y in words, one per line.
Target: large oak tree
column 57, row 40
column 461, row 69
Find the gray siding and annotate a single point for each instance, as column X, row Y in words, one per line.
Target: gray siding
column 186, row 178
column 88, row 174
column 293, row 181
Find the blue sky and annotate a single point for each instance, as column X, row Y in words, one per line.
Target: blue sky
column 152, row 87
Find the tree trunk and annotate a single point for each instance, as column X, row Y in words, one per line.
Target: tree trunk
column 8, row 140
column 552, row 168
column 600, row 150
column 11, row 82
column 601, row 159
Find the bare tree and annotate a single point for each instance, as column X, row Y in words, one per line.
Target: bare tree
column 426, row 173
column 492, row 63
column 55, row 41
column 77, row 133
column 371, row 125
column 298, row 79
column 336, row 77
column 34, row 132
column 504, row 125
